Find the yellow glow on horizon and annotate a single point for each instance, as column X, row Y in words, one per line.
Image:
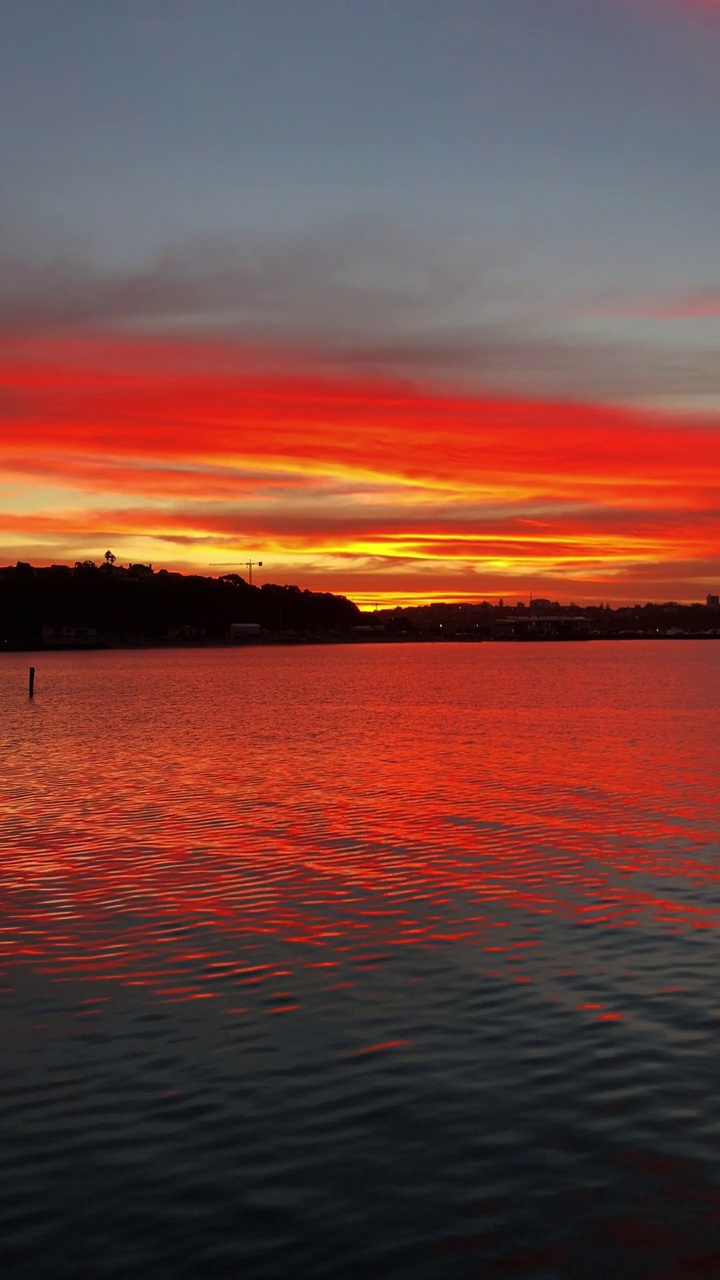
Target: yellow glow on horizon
column 179, row 454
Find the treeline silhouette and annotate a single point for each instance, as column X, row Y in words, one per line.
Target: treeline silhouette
column 125, row 605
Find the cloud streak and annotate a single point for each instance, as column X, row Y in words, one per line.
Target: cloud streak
column 186, row 454
column 363, row 296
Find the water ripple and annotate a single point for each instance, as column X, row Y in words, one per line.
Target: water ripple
column 344, row 963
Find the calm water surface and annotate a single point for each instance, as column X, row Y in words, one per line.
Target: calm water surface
column 395, row 962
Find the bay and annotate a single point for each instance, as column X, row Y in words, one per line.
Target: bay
column 365, row 961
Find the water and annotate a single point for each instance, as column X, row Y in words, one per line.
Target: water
column 393, row 962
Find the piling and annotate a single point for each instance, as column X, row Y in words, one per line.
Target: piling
column 31, row 682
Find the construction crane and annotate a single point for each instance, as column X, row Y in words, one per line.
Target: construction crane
column 250, row 565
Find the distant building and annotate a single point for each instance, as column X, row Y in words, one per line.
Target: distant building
column 244, row 630
column 713, row 602
column 69, row 637
column 542, row 627
column 186, row 632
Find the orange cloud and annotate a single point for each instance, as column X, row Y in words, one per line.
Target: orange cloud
column 189, row 454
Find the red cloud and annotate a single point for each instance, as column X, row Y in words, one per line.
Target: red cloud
column 698, row 306
column 697, row 6
column 186, row 446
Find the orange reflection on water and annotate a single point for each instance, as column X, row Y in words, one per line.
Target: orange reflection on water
column 285, row 812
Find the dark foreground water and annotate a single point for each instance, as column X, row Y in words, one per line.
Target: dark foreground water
column 398, row 963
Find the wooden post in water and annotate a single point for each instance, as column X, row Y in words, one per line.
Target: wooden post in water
column 31, row 682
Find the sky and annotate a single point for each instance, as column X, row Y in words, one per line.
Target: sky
column 407, row 300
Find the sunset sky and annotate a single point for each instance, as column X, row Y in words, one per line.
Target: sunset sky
column 409, row 300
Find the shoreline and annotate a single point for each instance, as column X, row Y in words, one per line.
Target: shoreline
column 277, row 642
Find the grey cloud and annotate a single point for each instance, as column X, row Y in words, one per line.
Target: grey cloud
column 361, row 295
column 513, row 360
column 362, row 274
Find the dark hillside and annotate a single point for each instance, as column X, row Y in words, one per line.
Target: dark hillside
column 123, row 605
